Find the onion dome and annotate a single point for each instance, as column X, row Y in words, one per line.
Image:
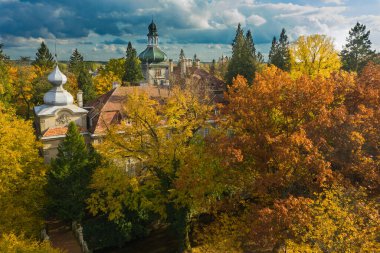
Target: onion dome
column 152, row 54
column 152, row 29
column 58, row 95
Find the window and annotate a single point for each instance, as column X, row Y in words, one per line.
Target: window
column 158, row 72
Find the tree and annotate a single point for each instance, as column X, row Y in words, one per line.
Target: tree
column 213, row 67
column 22, row 176
column 12, row 243
column 69, row 177
column 279, row 54
column 76, row 62
column 133, row 72
column 243, row 60
column 44, row 59
column 104, row 80
column 181, row 55
column 357, row 52
column 3, row 57
column 85, row 83
column 116, row 66
column 154, row 141
column 314, row 55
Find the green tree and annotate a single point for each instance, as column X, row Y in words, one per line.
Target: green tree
column 75, row 62
column 357, row 52
column 181, row 55
column 85, row 83
column 3, row 57
column 243, row 60
column 213, row 67
column 44, row 59
column 279, row 54
column 69, row 177
column 133, row 72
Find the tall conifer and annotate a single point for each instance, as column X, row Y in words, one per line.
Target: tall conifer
column 357, row 52
column 44, row 59
column 69, row 177
column 75, row 62
column 133, row 72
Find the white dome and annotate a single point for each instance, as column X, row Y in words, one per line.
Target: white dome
column 58, row 95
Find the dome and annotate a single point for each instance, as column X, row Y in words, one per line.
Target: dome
column 152, row 54
column 152, row 29
column 58, row 95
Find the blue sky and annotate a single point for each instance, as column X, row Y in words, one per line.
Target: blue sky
column 101, row 29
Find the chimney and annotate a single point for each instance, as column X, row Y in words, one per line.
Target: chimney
column 197, row 63
column 115, row 85
column 183, row 64
column 80, row 98
column 170, row 66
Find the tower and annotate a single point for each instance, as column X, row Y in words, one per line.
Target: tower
column 154, row 62
column 53, row 117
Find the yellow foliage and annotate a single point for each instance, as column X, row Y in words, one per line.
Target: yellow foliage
column 22, row 176
column 10, row 243
column 103, row 81
column 157, row 136
column 314, row 55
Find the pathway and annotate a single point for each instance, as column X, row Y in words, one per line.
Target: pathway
column 62, row 237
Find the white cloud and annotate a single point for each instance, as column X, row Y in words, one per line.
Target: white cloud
column 332, row 1
column 256, row 20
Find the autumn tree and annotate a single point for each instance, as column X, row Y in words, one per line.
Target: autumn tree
column 44, row 59
column 22, row 176
column 154, row 141
column 133, row 72
column 279, row 54
column 104, row 80
column 69, row 177
column 76, row 62
column 116, row 66
column 357, row 52
column 314, row 55
column 12, row 243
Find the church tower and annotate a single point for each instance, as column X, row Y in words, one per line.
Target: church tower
column 154, row 62
column 53, row 117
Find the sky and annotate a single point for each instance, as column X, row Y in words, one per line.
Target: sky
column 101, row 29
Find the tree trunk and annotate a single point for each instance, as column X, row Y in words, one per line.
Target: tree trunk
column 183, row 229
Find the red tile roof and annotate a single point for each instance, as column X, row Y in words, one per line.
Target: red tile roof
column 108, row 108
column 55, row 131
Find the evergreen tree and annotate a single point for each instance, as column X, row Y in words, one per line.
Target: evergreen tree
column 279, row 54
column 273, row 51
column 3, row 57
column 133, row 72
column 243, row 60
column 250, row 43
column 194, row 60
column 44, row 59
column 69, row 177
column 182, row 55
column 86, row 85
column 76, row 62
column 213, row 67
column 357, row 52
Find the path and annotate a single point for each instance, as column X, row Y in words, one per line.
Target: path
column 62, row 237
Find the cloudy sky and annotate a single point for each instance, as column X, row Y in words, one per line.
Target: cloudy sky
column 100, row 29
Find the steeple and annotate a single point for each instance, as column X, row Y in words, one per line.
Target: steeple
column 57, row 95
column 152, row 35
